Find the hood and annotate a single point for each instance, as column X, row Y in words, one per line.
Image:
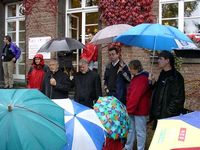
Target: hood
column 143, row 73
column 41, row 59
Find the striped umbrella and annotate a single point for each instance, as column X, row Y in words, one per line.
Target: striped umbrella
column 83, row 127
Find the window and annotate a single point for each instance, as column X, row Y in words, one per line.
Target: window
column 15, row 27
column 184, row 14
column 81, row 19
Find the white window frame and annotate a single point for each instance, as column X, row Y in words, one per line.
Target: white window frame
column 15, row 19
column 180, row 11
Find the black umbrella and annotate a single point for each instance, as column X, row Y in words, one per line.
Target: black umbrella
column 61, row 44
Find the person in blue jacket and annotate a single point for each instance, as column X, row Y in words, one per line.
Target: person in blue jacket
column 10, row 54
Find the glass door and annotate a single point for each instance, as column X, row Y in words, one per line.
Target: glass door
column 81, row 19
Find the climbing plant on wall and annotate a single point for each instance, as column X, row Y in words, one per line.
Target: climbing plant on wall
column 131, row 12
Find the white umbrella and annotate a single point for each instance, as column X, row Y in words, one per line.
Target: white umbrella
column 107, row 34
column 83, row 127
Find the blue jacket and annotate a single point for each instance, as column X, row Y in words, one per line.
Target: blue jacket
column 15, row 50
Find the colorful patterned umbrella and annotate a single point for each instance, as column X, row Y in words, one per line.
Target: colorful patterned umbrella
column 113, row 116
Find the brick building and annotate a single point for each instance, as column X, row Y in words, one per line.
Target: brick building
column 76, row 18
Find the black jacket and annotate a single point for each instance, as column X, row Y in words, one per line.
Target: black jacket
column 117, row 80
column 62, row 87
column 168, row 95
column 87, row 88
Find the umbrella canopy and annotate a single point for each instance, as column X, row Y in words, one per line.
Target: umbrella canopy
column 113, row 116
column 30, row 121
column 155, row 37
column 107, row 34
column 177, row 132
column 61, row 44
column 83, row 127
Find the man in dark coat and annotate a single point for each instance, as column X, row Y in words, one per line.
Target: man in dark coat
column 87, row 85
column 56, row 84
column 116, row 76
column 169, row 92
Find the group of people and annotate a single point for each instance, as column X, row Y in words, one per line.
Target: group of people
column 134, row 87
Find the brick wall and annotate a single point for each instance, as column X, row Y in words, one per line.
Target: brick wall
column 42, row 21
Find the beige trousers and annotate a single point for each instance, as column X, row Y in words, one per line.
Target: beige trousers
column 8, row 69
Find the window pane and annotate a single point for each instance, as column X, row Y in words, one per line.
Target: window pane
column 21, row 69
column 21, row 36
column 192, row 25
column 92, row 18
column 11, row 10
column 171, row 22
column 92, row 2
column 74, row 3
column 170, row 10
column 13, row 36
column 21, row 25
column 22, row 58
column 91, row 24
column 192, row 9
column 22, row 46
column 11, row 26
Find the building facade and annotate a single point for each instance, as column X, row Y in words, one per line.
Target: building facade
column 30, row 19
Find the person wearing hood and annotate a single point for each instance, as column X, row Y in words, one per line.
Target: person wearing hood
column 138, row 105
column 36, row 72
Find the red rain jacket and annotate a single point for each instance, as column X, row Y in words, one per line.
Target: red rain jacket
column 139, row 95
column 36, row 73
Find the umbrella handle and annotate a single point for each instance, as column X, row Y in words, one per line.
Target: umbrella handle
column 154, row 51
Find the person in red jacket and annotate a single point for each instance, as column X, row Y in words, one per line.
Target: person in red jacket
column 36, row 72
column 138, row 105
column 90, row 53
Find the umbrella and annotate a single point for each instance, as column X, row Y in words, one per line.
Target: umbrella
column 177, row 132
column 113, row 116
column 83, row 127
column 30, row 121
column 107, row 34
column 61, row 44
column 155, row 37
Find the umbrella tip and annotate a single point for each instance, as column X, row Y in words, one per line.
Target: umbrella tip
column 10, row 108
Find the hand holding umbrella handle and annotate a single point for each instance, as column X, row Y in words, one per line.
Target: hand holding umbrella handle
column 53, row 81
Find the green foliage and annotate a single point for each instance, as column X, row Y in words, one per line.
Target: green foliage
column 178, row 62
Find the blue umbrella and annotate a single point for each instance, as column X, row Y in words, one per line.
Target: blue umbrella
column 30, row 121
column 155, row 37
column 83, row 127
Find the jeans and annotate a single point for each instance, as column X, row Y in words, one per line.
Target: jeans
column 137, row 130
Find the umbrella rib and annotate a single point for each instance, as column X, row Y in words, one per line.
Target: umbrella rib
column 41, row 116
